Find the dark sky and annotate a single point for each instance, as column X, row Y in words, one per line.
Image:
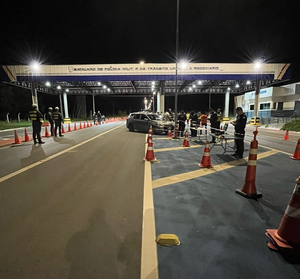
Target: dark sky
column 118, row 31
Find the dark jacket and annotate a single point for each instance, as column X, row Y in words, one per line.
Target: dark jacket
column 49, row 116
column 240, row 123
column 35, row 116
column 182, row 117
column 214, row 120
column 57, row 117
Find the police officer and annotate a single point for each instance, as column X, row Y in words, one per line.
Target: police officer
column 37, row 118
column 239, row 132
column 57, row 117
column 99, row 117
column 50, row 119
column 181, row 120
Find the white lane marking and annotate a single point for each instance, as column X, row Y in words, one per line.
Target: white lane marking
column 149, row 265
column 53, row 156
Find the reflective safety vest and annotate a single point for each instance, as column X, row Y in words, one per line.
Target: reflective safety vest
column 34, row 116
column 56, row 115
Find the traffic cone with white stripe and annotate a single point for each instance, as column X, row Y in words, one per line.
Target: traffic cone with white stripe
column 296, row 155
column 169, row 135
column 150, row 154
column 150, row 133
column 47, row 135
column 205, row 162
column 63, row 129
column 75, row 127
column 176, row 131
column 80, row 126
column 17, row 140
column 186, row 141
column 69, row 130
column 287, row 237
column 249, row 188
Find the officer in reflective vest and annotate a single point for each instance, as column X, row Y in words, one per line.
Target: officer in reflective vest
column 57, row 117
column 37, row 118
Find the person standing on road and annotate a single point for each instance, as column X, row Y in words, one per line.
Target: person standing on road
column 57, row 117
column 49, row 117
column 37, row 119
column 239, row 132
column 181, row 120
column 99, row 116
column 219, row 117
column 203, row 118
column 214, row 125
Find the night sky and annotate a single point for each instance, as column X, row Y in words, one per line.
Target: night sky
column 118, row 31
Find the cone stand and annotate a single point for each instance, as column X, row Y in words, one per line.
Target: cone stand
column 296, row 155
column 249, row 188
column 286, row 238
column 206, row 162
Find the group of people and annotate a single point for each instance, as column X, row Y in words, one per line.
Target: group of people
column 54, row 117
column 97, row 116
column 198, row 119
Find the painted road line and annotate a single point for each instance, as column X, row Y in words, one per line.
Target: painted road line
column 202, row 172
column 149, row 264
column 53, row 156
column 176, row 148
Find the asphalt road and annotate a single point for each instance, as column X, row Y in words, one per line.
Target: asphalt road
column 77, row 212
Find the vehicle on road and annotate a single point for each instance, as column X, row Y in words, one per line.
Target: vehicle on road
column 141, row 121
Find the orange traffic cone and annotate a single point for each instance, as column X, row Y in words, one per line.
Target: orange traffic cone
column 205, row 162
column 286, row 136
column 186, row 141
column 96, row 123
column 84, row 125
column 150, row 154
column 17, row 140
column 88, row 124
column 80, row 126
column 47, row 135
column 63, row 128
column 169, row 135
column 75, row 127
column 26, row 136
column 176, row 132
column 286, row 238
column 150, row 134
column 296, row 155
column 249, row 188
column 69, row 129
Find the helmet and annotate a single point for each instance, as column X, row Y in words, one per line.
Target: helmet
column 34, row 105
column 56, row 108
column 50, row 108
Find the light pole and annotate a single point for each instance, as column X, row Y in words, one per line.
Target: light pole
column 176, row 57
column 154, row 101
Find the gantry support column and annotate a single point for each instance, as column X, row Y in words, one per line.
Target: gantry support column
column 34, row 94
column 158, row 102
column 257, row 93
column 94, row 110
column 227, row 98
column 162, row 97
column 67, row 119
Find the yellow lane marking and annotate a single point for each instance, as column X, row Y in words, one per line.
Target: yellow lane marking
column 201, row 172
column 53, row 156
column 177, row 148
column 149, row 263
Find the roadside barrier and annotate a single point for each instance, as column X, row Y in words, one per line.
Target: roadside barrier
column 286, row 136
column 26, row 136
column 186, row 141
column 286, row 238
column 205, row 162
column 296, row 155
column 17, row 140
column 169, row 135
column 150, row 154
column 63, row 128
column 47, row 135
column 249, row 188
